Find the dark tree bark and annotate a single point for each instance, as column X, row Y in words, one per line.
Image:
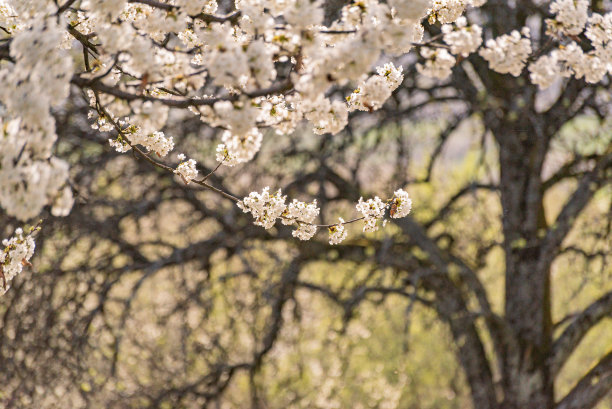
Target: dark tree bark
column 527, row 383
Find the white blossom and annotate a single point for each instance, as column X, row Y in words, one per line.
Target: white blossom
column 462, row 39
column 570, row 57
column 304, row 231
column 593, row 69
column 155, row 142
column 372, row 210
column 576, row 62
column 392, row 74
column 544, row 71
column 325, row 115
column 303, row 214
column 30, row 177
column 186, row 169
column 438, row 64
column 599, row 29
column 148, row 116
column 300, row 211
column 478, row 3
column 304, row 13
column 507, row 54
column 18, row 250
column 240, row 117
column 337, row 232
column 120, row 145
column 39, row 79
column 259, row 55
column 264, row 207
column 447, row 11
column 372, row 93
column 570, row 16
column 401, row 204
column 193, row 7
column 237, row 149
column 106, row 9
column 400, row 35
column 369, row 96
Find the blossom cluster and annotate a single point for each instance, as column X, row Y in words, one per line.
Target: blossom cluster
column 155, row 142
column 507, row 54
column 372, row 210
column 570, row 16
column 237, row 149
column 267, row 208
column 462, row 39
column 373, row 92
column 570, row 59
column 438, row 63
column 240, row 55
column 337, row 232
column 303, row 214
column 30, row 179
column 17, row 252
column 186, row 169
column 448, row 11
column 36, row 80
column 401, row 204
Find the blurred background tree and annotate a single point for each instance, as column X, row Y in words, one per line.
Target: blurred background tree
column 495, row 293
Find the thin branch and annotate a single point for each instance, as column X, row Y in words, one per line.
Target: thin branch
column 470, row 188
column 569, row 170
column 82, row 38
column 65, row 6
column 587, row 187
column 155, row 4
column 211, row 18
column 451, row 305
column 593, row 387
column 577, row 329
column 444, row 135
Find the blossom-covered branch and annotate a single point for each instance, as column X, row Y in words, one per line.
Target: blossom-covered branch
column 15, row 255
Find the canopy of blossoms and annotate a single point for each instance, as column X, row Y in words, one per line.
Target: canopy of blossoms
column 263, row 64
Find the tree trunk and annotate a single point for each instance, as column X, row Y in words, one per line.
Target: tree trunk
column 527, row 383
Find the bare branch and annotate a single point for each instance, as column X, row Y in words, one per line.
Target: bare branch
column 285, row 292
column 470, row 188
column 593, row 386
column 65, row 6
column 452, row 307
column 577, row 329
column 587, row 187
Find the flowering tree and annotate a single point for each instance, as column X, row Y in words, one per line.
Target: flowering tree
column 258, row 65
column 266, row 64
